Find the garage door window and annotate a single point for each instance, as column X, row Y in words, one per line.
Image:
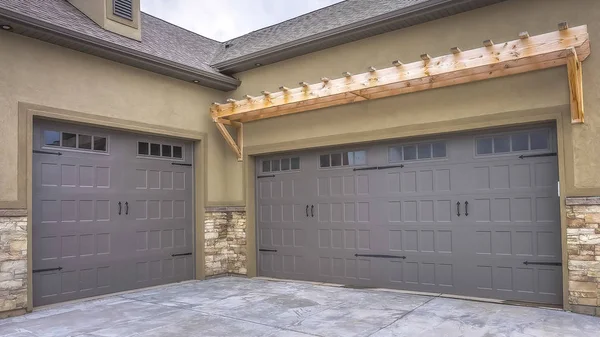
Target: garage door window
column 341, row 159
column 281, row 165
column 537, row 140
column 154, row 150
column 417, row 152
column 70, row 140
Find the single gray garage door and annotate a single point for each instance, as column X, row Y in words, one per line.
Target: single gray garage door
column 112, row 211
column 474, row 215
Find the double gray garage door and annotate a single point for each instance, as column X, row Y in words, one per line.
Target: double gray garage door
column 112, row 211
column 474, row 215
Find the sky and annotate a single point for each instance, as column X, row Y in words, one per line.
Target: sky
column 223, row 20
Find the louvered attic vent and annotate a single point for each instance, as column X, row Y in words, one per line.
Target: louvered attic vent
column 123, row 8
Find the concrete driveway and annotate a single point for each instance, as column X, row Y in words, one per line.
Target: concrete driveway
column 255, row 307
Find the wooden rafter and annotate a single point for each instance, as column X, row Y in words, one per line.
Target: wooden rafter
column 567, row 46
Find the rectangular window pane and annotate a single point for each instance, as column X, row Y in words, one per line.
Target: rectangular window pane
column 484, row 146
column 177, row 152
column 360, row 157
column 85, row 142
column 295, row 163
column 539, row 140
column 336, row 159
column 275, row 165
column 166, row 151
column 266, row 166
column 69, row 139
column 501, row 144
column 155, row 149
column 395, row 154
column 439, row 150
column 100, row 143
column 324, row 160
column 410, row 152
column 52, row 138
column 520, row 142
column 143, row 148
column 346, row 158
column 424, row 151
column 285, row 164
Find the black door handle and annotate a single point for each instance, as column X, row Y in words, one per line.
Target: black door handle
column 119, row 208
column 126, row 208
column 466, row 208
column 307, row 211
column 312, row 210
column 458, row 208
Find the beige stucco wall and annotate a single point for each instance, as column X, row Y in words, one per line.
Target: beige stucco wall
column 501, row 22
column 36, row 72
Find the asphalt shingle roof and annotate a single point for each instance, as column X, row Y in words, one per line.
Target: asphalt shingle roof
column 170, row 42
column 174, row 44
column 335, row 16
column 159, row 38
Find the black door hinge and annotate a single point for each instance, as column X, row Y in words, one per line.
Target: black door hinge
column 523, row 156
column 181, row 164
column 383, row 256
column 183, row 254
column 47, row 269
column 268, row 250
column 389, row 167
column 543, row 263
column 48, row 152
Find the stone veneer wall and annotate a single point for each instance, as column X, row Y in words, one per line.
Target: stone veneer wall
column 225, row 241
column 13, row 262
column 583, row 250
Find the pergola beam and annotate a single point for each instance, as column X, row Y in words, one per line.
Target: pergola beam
column 497, row 60
column 567, row 46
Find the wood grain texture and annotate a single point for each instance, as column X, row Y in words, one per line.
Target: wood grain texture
column 501, row 59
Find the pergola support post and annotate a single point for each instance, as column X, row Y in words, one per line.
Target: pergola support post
column 575, row 85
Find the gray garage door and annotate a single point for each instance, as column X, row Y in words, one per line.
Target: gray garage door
column 112, row 212
column 474, row 215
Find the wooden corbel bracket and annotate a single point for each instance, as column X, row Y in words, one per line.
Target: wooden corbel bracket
column 236, row 146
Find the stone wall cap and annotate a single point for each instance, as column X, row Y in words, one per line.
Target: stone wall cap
column 574, row 201
column 13, row 212
column 225, row 208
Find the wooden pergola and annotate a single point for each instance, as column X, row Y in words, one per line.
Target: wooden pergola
column 567, row 46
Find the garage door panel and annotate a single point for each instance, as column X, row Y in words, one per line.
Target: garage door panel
column 465, row 222
column 79, row 226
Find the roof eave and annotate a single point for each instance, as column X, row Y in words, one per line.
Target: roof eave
column 404, row 14
column 212, row 80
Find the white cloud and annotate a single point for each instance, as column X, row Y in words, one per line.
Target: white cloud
column 223, row 20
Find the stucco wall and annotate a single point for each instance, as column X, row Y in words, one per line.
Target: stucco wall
column 41, row 73
column 36, row 72
column 501, row 22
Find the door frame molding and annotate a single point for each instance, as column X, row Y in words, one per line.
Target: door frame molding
column 28, row 112
column 560, row 115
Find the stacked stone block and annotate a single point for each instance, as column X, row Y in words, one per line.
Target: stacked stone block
column 225, row 241
column 583, row 254
column 13, row 263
